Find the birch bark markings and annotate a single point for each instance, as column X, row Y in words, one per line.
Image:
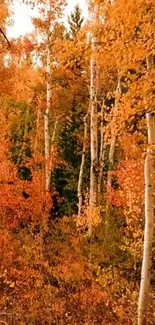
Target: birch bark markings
column 149, row 215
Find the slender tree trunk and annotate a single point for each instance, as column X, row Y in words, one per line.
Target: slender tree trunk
column 46, row 119
column 93, row 141
column 149, row 216
column 52, row 145
column 93, row 121
column 113, row 135
column 102, row 153
column 111, row 154
column 82, row 164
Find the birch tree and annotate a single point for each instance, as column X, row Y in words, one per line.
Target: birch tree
column 96, row 154
column 80, row 181
column 46, row 117
column 93, row 117
column 46, row 24
column 102, row 152
column 149, row 214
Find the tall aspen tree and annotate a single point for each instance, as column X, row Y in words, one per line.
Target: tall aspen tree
column 46, row 117
column 82, row 164
column 102, row 152
column 93, row 116
column 149, row 214
column 51, row 11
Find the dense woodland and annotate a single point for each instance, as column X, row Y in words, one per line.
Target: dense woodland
column 77, row 136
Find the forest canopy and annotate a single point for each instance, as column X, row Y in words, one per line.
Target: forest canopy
column 77, row 168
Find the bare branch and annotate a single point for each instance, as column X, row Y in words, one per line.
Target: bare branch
column 1, row 31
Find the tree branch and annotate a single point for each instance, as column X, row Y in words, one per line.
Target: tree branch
column 1, row 31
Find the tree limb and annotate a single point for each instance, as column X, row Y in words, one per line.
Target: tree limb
column 1, row 31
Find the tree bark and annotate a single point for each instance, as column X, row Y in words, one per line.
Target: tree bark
column 101, row 156
column 149, row 216
column 93, row 120
column 46, row 119
column 82, row 165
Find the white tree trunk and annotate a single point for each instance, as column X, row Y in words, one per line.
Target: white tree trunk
column 93, row 120
column 82, row 165
column 149, row 216
column 102, row 153
column 46, row 119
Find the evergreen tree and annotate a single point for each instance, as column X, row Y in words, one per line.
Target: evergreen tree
column 75, row 21
column 65, row 178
